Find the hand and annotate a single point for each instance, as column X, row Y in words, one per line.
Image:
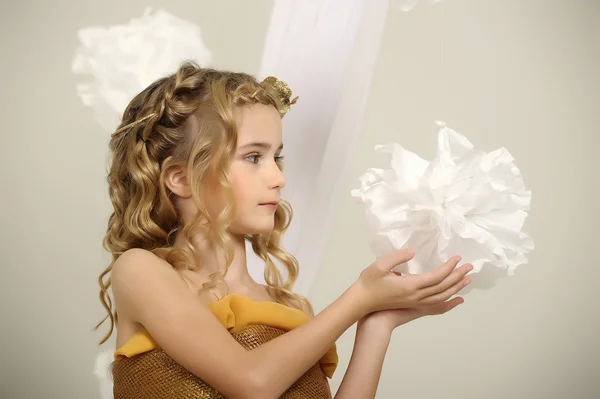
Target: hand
column 387, row 320
column 381, row 289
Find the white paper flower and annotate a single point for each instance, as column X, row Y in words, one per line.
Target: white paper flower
column 407, row 5
column 102, row 373
column 464, row 202
column 124, row 59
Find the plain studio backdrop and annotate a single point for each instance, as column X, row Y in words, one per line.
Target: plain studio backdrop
column 520, row 74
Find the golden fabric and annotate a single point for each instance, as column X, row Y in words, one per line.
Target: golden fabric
column 143, row 370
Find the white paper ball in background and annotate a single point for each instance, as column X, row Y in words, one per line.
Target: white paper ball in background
column 122, row 60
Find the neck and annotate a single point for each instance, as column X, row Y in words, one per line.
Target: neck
column 212, row 260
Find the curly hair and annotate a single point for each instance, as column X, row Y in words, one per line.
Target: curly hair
column 144, row 215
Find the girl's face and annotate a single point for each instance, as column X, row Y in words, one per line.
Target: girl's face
column 255, row 171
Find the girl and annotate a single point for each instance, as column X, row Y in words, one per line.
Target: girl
column 196, row 171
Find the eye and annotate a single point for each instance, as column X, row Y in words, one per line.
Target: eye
column 254, row 158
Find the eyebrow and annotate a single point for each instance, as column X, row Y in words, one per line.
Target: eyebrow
column 259, row 144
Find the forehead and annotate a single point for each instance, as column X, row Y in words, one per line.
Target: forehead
column 258, row 122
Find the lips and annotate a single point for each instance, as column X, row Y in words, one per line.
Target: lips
column 274, row 203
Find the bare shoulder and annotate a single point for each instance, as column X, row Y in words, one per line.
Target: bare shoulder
column 156, row 297
column 136, row 265
column 135, row 255
column 137, row 276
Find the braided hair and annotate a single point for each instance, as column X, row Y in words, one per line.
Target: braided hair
column 187, row 118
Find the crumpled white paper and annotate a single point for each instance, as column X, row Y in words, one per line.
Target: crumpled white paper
column 407, row 5
column 464, row 202
column 124, row 59
column 102, row 373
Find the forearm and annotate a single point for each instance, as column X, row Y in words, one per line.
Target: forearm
column 280, row 362
column 363, row 373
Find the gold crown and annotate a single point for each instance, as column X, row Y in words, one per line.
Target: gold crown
column 284, row 92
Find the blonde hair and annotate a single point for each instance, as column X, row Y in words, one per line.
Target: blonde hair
column 144, row 215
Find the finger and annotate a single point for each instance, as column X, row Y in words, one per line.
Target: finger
column 435, row 277
column 439, row 308
column 447, row 294
column 393, row 259
column 455, row 276
column 449, row 305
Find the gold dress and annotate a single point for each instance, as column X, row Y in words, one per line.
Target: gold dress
column 142, row 370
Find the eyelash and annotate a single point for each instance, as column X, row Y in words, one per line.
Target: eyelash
column 278, row 159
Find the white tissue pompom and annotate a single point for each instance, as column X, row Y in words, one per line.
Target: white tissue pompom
column 102, row 373
column 464, row 202
column 407, row 5
column 124, row 59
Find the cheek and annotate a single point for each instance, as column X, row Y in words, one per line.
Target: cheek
column 242, row 188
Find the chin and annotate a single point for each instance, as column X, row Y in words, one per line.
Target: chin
column 261, row 230
column 254, row 228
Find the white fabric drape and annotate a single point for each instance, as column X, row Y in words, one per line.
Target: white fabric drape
column 326, row 51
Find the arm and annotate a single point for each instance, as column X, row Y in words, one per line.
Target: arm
column 149, row 292
column 362, row 376
column 373, row 335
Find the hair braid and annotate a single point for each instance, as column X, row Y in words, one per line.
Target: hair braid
column 188, row 119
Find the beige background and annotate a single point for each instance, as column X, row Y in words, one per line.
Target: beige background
column 515, row 73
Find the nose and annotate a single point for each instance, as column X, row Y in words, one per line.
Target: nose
column 276, row 177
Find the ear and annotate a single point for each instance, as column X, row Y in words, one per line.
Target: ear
column 176, row 179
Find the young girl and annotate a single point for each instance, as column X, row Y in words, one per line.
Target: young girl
column 196, row 172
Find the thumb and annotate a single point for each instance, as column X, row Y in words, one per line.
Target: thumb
column 388, row 262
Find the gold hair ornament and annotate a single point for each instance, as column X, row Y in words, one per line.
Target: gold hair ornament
column 133, row 124
column 284, row 92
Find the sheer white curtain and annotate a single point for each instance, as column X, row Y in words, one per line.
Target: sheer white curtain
column 326, row 51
